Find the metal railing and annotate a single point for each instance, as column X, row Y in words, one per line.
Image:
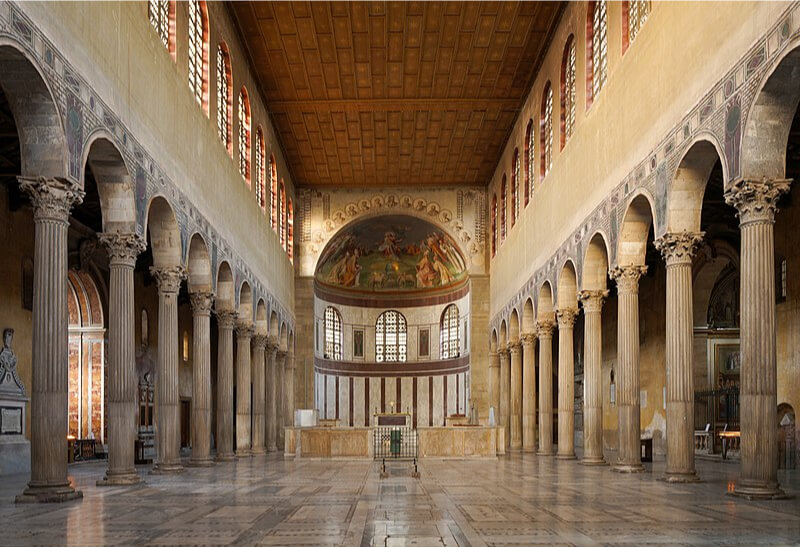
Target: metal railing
column 395, row 443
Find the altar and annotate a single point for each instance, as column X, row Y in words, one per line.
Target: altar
column 400, row 419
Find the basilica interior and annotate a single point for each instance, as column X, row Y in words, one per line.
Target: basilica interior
column 399, row 273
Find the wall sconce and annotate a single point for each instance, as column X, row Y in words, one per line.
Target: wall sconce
column 613, row 391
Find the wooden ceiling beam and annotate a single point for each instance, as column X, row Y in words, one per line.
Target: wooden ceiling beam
column 395, row 105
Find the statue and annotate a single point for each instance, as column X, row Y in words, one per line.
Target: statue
column 10, row 382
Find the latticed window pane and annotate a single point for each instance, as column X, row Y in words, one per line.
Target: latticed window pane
column 244, row 136
column 516, row 185
column 282, row 219
column 599, row 47
column 531, row 159
column 223, row 92
column 196, row 46
column 547, row 132
column 273, row 193
column 158, row 12
column 569, row 92
column 260, row 168
column 390, row 337
column 449, row 333
column 638, row 10
column 494, row 224
column 333, row 334
column 503, row 210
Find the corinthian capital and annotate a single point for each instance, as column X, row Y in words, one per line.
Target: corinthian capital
column 168, row 279
column 260, row 341
column 201, row 302
column 528, row 339
column 592, row 301
column 122, row 248
column 756, row 200
column 566, row 317
column 244, row 329
column 226, row 318
column 679, row 247
column 627, row 277
column 515, row 346
column 545, row 328
column 52, row 198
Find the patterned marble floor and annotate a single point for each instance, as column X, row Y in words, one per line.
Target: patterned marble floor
column 519, row 500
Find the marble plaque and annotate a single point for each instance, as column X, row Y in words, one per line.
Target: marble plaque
column 10, row 421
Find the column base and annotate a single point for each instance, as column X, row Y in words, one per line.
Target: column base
column 227, row 457
column 545, row 452
column 593, row 462
column 126, row 478
column 566, row 457
column 258, row 451
column 167, row 469
column 201, row 462
column 678, row 477
column 515, row 449
column 528, row 450
column 272, row 448
column 49, row 494
column 244, row 453
column 759, row 491
column 628, row 468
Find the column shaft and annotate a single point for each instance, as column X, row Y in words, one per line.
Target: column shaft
column 545, row 329
column 272, row 398
column 259, row 394
column 528, row 393
column 280, row 387
column 244, row 331
column 288, row 398
column 566, row 384
column 516, row 396
column 494, row 385
column 592, row 380
column 224, row 440
column 505, row 393
column 201, row 379
column 52, row 200
column 122, row 386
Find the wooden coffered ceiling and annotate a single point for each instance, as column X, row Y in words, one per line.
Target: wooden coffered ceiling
column 394, row 93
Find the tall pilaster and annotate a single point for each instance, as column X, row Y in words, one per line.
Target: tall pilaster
column 52, row 200
column 627, row 278
column 280, row 386
column 566, row 383
column 272, row 396
column 755, row 202
column 288, row 392
column 494, row 385
column 122, row 385
column 545, row 330
column 528, row 393
column 168, row 438
column 225, row 321
column 201, row 379
column 259, row 394
column 677, row 249
column 244, row 331
column 505, row 392
column 592, row 302
column 515, row 348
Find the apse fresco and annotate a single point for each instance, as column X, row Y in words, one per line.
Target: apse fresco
column 391, row 253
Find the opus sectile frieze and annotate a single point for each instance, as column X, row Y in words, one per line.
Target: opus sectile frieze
column 521, row 500
column 719, row 116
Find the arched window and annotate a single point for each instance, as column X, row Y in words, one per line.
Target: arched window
column 260, row 174
column 546, row 129
column 273, row 192
column 198, row 52
column 390, row 337
column 282, row 213
column 290, row 230
column 494, row 224
column 162, row 16
column 568, row 91
column 530, row 160
column 224, row 97
column 596, row 49
column 503, row 209
column 515, row 187
column 634, row 15
column 244, row 135
column 333, row 334
column 448, row 333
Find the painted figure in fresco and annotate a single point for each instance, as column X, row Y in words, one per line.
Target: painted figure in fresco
column 425, row 272
column 444, row 274
column 351, row 269
column 389, row 247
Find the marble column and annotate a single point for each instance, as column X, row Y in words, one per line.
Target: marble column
column 545, row 330
column 244, row 332
column 528, row 393
column 627, row 278
column 168, row 436
column 201, row 379
column 259, row 394
column 566, row 384
column 505, row 392
column 494, row 385
column 755, row 202
column 52, row 200
column 280, row 387
column 225, row 322
column 515, row 406
column 677, row 249
column 288, row 392
column 592, row 302
column 122, row 385
column 272, row 396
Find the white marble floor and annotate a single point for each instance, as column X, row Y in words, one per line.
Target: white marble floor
column 519, row 500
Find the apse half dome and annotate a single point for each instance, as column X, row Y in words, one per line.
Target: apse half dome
column 391, row 253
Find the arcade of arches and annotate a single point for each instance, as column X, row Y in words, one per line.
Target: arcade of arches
column 387, row 273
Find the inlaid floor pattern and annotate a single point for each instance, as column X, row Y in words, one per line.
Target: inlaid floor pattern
column 517, row 500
